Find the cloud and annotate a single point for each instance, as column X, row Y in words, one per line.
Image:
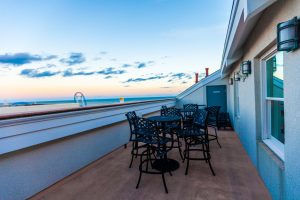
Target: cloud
column 33, row 73
column 179, row 76
column 126, row 65
column 73, row 59
column 145, row 79
column 138, row 65
column 103, row 52
column 50, row 57
column 141, row 65
column 110, row 71
column 107, row 77
column 22, row 58
column 165, row 87
column 69, row 73
column 172, row 77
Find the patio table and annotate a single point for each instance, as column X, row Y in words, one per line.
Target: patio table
column 171, row 163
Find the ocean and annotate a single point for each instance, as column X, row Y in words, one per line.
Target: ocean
column 90, row 102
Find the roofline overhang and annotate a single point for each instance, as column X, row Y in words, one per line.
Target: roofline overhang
column 244, row 15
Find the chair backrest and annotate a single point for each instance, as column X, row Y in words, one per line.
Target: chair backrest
column 213, row 111
column 213, row 114
column 171, row 112
column 132, row 120
column 147, row 130
column 190, row 106
column 200, row 119
column 164, row 107
column 162, row 110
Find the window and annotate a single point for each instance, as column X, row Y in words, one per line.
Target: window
column 273, row 101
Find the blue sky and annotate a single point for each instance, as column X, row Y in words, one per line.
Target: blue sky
column 51, row 49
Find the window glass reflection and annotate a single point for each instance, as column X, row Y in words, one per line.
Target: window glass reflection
column 275, row 76
column 277, row 120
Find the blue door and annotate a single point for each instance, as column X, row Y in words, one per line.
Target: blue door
column 217, row 96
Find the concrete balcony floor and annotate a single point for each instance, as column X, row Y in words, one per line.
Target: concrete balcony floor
column 110, row 178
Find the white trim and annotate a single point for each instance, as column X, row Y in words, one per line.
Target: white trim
column 236, row 92
column 21, row 133
column 214, row 76
column 275, row 146
column 274, row 99
column 243, row 18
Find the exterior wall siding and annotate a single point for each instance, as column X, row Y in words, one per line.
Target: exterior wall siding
column 271, row 170
column 282, row 178
column 292, row 121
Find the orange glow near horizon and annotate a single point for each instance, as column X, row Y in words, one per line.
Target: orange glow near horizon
column 57, row 87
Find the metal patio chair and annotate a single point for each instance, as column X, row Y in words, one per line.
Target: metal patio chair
column 212, row 121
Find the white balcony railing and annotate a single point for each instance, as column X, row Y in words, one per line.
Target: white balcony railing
column 22, row 132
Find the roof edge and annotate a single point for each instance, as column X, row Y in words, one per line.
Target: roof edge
column 214, row 76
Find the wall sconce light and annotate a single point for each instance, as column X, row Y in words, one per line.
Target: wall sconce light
column 246, row 67
column 230, row 81
column 288, row 35
column 236, row 76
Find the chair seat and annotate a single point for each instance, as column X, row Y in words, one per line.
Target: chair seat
column 152, row 141
column 190, row 133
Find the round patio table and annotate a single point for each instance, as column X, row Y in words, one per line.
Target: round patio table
column 171, row 163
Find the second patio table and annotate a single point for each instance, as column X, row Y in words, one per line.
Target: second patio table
column 171, row 163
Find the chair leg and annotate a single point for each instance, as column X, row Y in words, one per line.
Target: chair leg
column 210, row 166
column 140, row 176
column 137, row 148
column 208, row 159
column 131, row 161
column 140, row 169
column 164, row 181
column 132, row 154
column 203, row 151
column 147, row 159
column 185, row 148
column 163, row 177
column 188, row 159
column 179, row 147
column 217, row 137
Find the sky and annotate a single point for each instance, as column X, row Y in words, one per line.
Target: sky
column 51, row 49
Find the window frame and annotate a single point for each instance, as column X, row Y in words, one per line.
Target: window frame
column 236, row 99
column 274, row 144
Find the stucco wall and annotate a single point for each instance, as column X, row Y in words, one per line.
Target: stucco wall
column 271, row 169
column 261, row 40
column 292, row 123
column 29, row 171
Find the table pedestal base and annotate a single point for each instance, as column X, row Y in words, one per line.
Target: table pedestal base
column 169, row 165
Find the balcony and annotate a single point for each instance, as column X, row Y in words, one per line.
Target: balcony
column 110, row 178
column 79, row 154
